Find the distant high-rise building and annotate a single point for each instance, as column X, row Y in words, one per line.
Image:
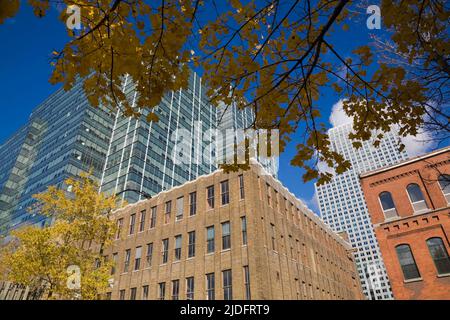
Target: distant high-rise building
column 343, row 208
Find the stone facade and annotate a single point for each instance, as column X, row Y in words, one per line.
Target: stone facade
column 280, row 251
column 413, row 234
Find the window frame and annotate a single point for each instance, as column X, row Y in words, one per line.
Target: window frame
column 210, row 242
column 393, row 209
column 193, row 203
column 142, row 220
column 446, row 195
column 191, row 244
column 446, row 258
column 227, row 284
column 417, row 202
column 226, row 237
column 241, row 187
column 177, row 247
column 402, row 266
column 210, row 286
column 210, row 197
column 153, row 215
column 176, row 289
column 224, row 192
column 190, row 288
column 165, row 250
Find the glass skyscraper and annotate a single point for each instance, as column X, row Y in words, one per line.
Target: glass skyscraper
column 66, row 136
column 63, row 137
column 343, row 208
column 145, row 156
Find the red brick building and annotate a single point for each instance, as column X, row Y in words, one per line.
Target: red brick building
column 409, row 204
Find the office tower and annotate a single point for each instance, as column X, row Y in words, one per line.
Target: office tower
column 229, row 236
column 146, row 158
column 17, row 154
column 409, row 204
column 343, row 208
column 63, row 137
column 66, row 136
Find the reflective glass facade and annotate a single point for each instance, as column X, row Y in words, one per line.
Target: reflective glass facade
column 66, row 136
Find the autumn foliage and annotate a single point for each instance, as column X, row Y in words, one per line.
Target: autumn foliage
column 82, row 226
column 275, row 57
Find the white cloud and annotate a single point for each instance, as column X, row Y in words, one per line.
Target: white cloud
column 419, row 144
column 414, row 145
column 312, row 203
column 338, row 115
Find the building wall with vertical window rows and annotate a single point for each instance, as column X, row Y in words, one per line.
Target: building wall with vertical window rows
column 409, row 204
column 230, row 257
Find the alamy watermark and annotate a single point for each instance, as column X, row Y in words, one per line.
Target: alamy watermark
column 374, row 20
column 74, row 277
column 225, row 147
column 74, row 19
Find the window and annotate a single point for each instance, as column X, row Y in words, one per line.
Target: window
column 145, row 292
column 149, row 254
column 142, row 221
column 225, row 192
column 122, row 294
column 137, row 258
column 168, row 208
column 119, row 228
column 272, row 230
column 191, row 244
column 416, row 198
column 162, row 290
column 114, row 261
column 190, row 288
column 407, row 262
column 133, row 294
column 439, row 254
column 210, row 286
column 178, row 241
column 269, row 200
column 226, row 238
column 175, row 289
column 192, row 203
column 244, row 230
column 180, row 202
column 210, row 197
column 241, row 186
column 132, row 222
column 210, row 234
column 165, row 250
column 387, row 204
column 444, row 183
column 153, row 218
column 227, row 285
column 247, row 282
column 127, row 260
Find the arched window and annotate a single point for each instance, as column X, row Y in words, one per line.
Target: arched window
column 416, row 197
column 439, row 254
column 407, row 262
column 387, row 204
column 444, row 182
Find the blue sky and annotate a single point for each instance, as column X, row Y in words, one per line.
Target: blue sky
column 25, row 57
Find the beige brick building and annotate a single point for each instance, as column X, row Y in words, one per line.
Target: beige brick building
column 229, row 236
